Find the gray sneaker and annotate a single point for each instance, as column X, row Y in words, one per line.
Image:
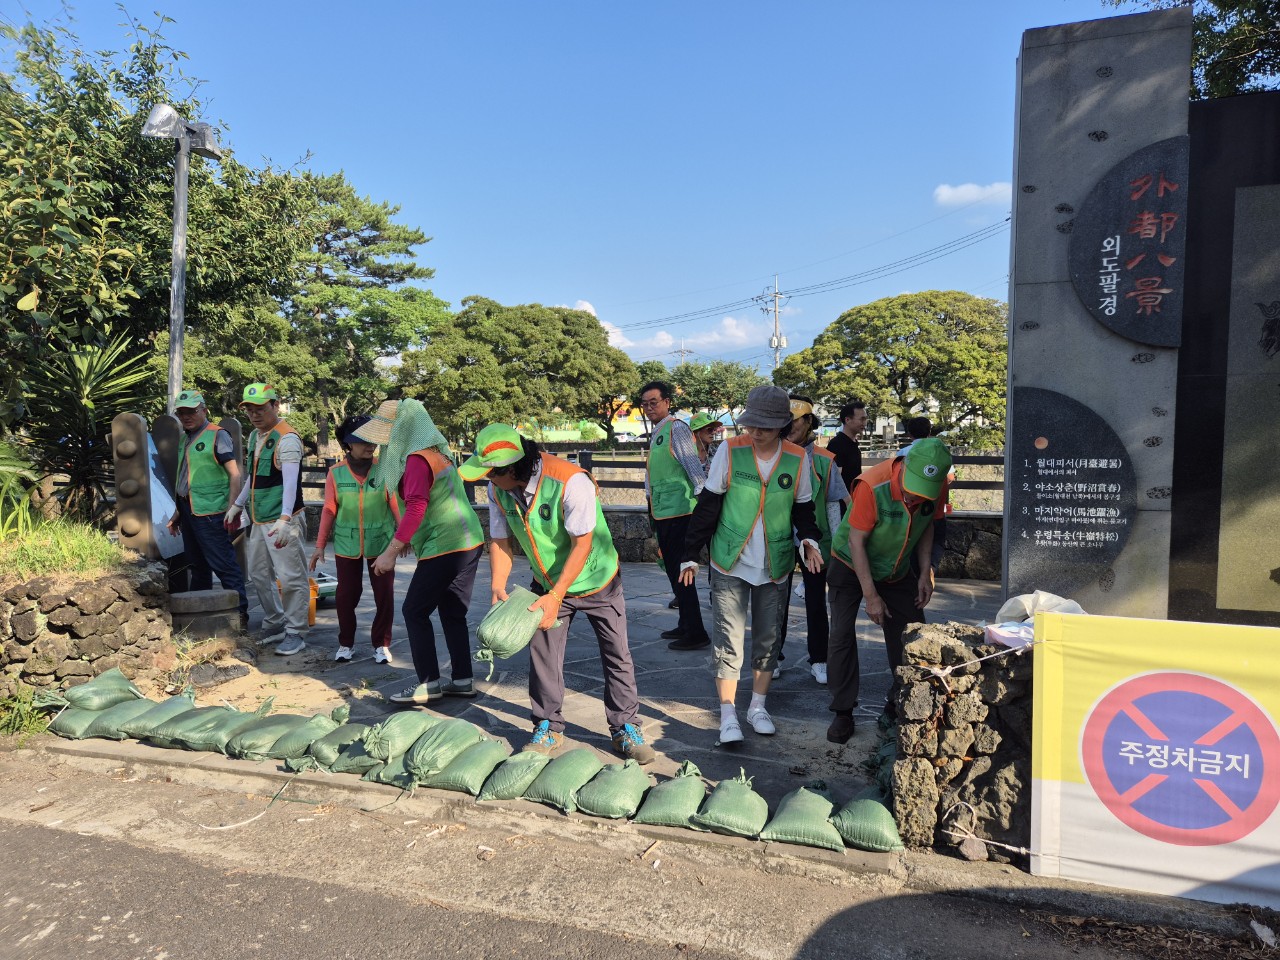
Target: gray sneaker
column 418, row 693
column 291, row 644
column 267, row 638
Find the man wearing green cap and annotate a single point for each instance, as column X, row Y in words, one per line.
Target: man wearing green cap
column 551, row 508
column 208, row 481
column 891, row 517
column 272, row 502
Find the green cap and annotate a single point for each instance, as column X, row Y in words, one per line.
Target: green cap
column 497, row 445
column 702, row 420
column 925, row 468
column 188, row 400
column 257, row 394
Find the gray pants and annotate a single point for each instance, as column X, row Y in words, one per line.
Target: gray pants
column 606, row 611
column 843, row 670
column 288, row 564
column 730, row 597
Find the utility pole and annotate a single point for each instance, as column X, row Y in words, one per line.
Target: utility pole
column 682, row 352
column 777, row 343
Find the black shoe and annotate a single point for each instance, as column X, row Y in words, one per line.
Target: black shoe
column 841, row 728
column 674, row 604
column 675, row 633
column 689, row 643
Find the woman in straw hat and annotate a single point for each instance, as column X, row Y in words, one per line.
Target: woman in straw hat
column 441, row 528
column 361, row 527
column 758, row 490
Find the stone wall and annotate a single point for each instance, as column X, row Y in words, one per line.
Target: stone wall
column 964, row 742
column 55, row 632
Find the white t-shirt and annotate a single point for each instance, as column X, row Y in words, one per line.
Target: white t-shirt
column 753, row 562
column 579, row 505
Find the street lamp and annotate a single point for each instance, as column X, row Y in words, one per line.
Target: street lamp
column 163, row 122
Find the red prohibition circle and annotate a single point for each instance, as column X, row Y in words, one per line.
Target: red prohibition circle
column 1121, row 697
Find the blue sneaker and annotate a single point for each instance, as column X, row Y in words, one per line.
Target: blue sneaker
column 629, row 742
column 545, row 740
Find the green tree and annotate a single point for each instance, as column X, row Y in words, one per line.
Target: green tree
column 941, row 351
column 1235, row 44
column 650, row 370
column 720, row 386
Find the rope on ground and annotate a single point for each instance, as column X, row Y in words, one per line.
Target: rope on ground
column 232, row 826
column 966, row 833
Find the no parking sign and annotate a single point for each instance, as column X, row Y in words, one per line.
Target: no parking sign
column 1156, row 757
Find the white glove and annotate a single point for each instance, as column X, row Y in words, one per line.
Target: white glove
column 282, row 532
column 231, row 521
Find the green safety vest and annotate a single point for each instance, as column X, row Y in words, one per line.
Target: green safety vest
column 362, row 527
column 822, row 464
column 748, row 498
column 450, row 524
column 207, row 479
column 897, row 531
column 670, row 489
column 266, row 481
column 541, row 534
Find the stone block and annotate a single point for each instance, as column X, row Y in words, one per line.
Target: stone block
column 967, row 708
column 997, row 690
column 978, row 769
column 93, row 647
column 50, row 601
column 203, row 601
column 37, row 588
column 955, row 742
column 986, row 739
column 916, row 702
column 947, row 770
column 113, row 641
column 74, row 668
column 26, row 626
column 23, row 605
column 40, row 666
column 15, row 593
column 55, row 646
column 915, row 801
column 918, row 739
column 85, row 626
column 6, row 611
column 93, row 598
column 63, row 617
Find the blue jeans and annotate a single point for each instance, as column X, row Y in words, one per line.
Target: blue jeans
column 207, row 550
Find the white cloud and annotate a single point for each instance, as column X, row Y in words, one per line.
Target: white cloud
column 945, row 195
column 586, row 305
column 616, row 337
column 662, row 340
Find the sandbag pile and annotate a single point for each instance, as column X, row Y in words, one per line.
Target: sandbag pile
column 413, row 748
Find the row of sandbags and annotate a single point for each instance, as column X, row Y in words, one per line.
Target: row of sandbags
column 414, row 748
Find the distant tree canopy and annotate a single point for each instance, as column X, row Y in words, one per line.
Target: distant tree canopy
column 720, row 386
column 1235, row 44
column 903, row 355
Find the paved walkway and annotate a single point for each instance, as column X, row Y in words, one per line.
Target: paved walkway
column 678, row 703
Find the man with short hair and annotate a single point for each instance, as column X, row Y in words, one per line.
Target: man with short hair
column 673, row 479
column 844, row 445
column 272, row 499
column 208, row 480
column 891, row 517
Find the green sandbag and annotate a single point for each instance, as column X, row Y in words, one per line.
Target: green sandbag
column 396, row 734
column 468, row 771
column 866, row 823
column 140, row 727
column 435, row 749
column 802, row 818
column 327, row 748
column 393, row 772
column 255, row 740
column 354, row 758
column 172, row 731
column 105, row 690
column 564, row 776
column 673, row 803
column 213, row 736
column 72, row 722
column 512, row 777
column 108, row 723
column 508, row 627
column 615, row 792
column 734, row 809
column 298, row 741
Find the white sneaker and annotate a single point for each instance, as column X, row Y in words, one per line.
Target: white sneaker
column 761, row 722
column 343, row 653
column 819, row 671
column 777, row 671
column 291, row 644
column 730, row 730
column 382, row 655
column 271, row 638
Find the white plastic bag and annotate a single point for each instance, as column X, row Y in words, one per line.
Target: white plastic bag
column 1025, row 606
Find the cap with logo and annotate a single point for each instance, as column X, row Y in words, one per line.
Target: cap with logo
column 188, row 400
column 924, row 468
column 702, row 420
column 497, row 445
column 256, row 394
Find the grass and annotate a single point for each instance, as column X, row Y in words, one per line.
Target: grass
column 57, row 546
column 19, row 717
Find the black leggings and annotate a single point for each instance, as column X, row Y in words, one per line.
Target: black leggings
column 442, row 585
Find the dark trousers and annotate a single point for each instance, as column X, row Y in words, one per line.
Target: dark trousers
column 442, row 585
column 606, row 611
column 207, row 550
column 351, row 588
column 671, row 542
column 815, row 609
column 899, row 598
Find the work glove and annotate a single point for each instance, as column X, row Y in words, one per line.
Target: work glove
column 231, row 519
column 282, row 532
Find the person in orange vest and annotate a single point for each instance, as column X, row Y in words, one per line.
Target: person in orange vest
column 437, row 525
column 271, row 502
column 829, row 492
column 361, row 522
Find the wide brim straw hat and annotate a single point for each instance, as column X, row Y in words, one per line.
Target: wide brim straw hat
column 378, row 429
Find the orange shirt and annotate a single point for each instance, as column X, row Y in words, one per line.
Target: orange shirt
column 864, row 513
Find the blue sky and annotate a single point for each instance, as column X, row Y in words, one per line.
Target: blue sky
column 650, row 160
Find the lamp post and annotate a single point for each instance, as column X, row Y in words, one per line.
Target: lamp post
column 164, row 122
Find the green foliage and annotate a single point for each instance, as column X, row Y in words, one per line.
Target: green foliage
column 1235, row 44
column 720, row 386
column 19, row 716
column 58, row 546
column 17, row 514
column 904, row 354
column 72, row 397
column 652, row 370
